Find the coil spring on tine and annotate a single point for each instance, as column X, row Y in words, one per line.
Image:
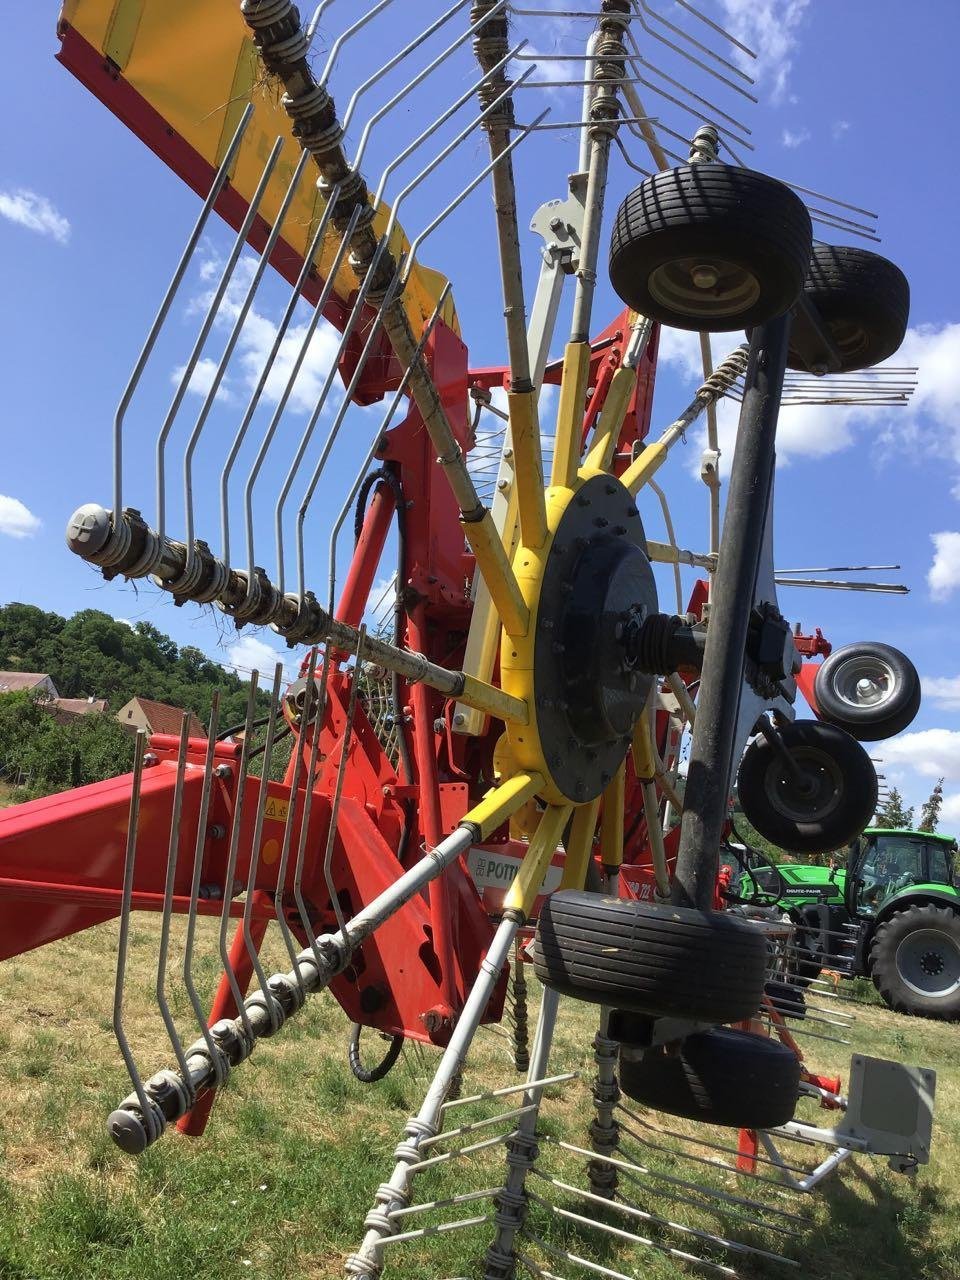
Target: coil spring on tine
column 725, row 375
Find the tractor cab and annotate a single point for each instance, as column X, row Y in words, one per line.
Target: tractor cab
column 882, row 864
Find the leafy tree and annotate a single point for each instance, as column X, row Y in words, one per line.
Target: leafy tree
column 893, row 814
column 930, row 813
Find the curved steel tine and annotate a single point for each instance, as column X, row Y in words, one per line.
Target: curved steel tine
column 338, row 786
column 640, row 8
column 442, row 119
column 311, row 27
column 712, row 108
column 230, row 872
column 150, row 1118
column 173, row 852
column 685, row 4
column 228, row 350
column 347, row 35
column 216, row 1057
column 372, row 337
column 471, row 186
column 418, row 79
column 219, row 182
column 328, row 382
column 348, row 329
column 371, row 452
column 206, row 326
column 254, row 401
column 307, row 809
column 254, row 866
column 291, row 381
column 395, row 61
column 308, row 706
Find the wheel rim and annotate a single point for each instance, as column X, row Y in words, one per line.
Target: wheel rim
column 865, row 682
column 810, row 804
column 850, row 338
column 702, row 286
column 928, row 962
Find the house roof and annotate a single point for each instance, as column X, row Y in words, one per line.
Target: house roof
column 82, row 706
column 15, row 681
column 166, row 719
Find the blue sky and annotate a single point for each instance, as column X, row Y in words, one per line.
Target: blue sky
column 856, row 102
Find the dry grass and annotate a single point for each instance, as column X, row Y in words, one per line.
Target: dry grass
column 280, row 1184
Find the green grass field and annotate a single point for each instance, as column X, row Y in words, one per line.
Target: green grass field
column 281, row 1182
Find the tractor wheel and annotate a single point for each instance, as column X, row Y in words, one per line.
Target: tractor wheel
column 710, row 247
column 830, row 806
column 665, row 961
column 786, row 998
column 870, row 690
column 863, row 301
column 915, row 962
column 720, row 1077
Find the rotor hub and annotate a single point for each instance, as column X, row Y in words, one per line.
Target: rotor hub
column 595, row 590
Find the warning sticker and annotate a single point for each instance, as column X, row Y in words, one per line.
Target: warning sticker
column 276, row 808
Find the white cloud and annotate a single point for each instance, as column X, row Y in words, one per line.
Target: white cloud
column 201, row 380
column 949, row 813
column 942, row 690
column 933, row 753
column 770, row 28
column 943, row 576
column 35, row 212
column 16, row 520
column 791, row 140
column 839, row 128
column 256, row 341
column 250, row 653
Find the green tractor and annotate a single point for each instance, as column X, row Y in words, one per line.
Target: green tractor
column 892, row 914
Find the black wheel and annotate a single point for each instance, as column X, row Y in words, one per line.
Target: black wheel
column 369, row 1075
column 786, row 998
column 828, row 807
column 915, row 962
column 870, row 690
column 710, row 247
column 863, row 301
column 660, row 960
column 720, row 1077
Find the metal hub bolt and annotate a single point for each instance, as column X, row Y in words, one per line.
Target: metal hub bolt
column 704, row 276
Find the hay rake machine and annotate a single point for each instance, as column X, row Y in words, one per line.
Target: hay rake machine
column 506, row 749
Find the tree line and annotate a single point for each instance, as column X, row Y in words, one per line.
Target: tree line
column 94, row 655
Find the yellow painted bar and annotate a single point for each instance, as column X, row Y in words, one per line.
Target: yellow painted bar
column 188, row 59
column 488, row 698
column 614, row 411
column 643, row 760
column 497, row 574
column 528, row 466
column 649, row 462
column 573, row 394
column 580, row 846
column 502, row 802
column 526, row 884
column 611, row 824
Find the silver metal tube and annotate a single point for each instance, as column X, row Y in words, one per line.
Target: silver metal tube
column 367, row 1262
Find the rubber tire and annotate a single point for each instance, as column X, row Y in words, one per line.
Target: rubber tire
column 725, row 1077
column 719, row 211
column 665, row 961
column 788, row 999
column 883, row 963
column 869, row 724
column 838, row 826
column 863, row 301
